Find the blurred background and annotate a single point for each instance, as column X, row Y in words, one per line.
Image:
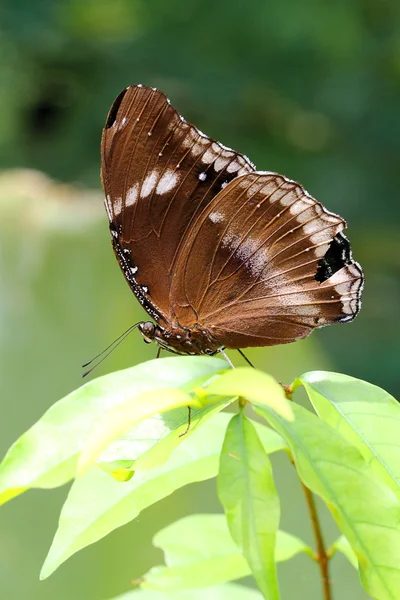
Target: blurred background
column 308, row 89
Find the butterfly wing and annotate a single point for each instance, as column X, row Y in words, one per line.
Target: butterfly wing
column 158, row 173
column 265, row 264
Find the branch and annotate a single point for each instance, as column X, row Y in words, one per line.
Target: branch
column 321, row 556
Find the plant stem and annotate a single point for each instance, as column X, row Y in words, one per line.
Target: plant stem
column 321, row 556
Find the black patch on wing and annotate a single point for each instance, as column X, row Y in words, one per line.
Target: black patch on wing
column 207, row 173
column 114, row 109
column 337, row 256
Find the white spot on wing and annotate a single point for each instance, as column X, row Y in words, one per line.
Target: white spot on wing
column 203, row 176
column 132, row 195
column 287, row 198
column 208, row 157
column 220, row 163
column 320, row 236
column 196, row 149
column 149, row 184
column 107, row 202
column 311, row 227
column 320, row 251
column 252, row 189
column 216, row 217
column 299, row 210
column 117, row 206
column 233, row 166
column 167, row 182
column 248, row 251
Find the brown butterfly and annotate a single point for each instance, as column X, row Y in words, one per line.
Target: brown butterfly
column 219, row 254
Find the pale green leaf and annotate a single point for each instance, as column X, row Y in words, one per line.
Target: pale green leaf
column 229, row 591
column 365, row 509
column 253, row 385
column 46, row 455
column 247, row 492
column 364, row 414
column 115, row 459
column 343, row 546
column 150, row 442
column 122, row 418
column 209, row 536
column 96, row 504
column 199, row 552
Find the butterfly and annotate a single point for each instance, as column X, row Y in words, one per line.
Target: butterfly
column 220, row 255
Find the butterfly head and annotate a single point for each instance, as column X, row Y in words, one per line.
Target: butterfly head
column 148, row 331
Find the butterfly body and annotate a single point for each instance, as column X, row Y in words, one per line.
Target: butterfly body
column 180, row 340
column 219, row 254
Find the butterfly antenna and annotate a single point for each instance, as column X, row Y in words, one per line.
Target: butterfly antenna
column 245, row 358
column 109, row 348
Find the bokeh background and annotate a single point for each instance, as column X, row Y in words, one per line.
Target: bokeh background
column 310, row 89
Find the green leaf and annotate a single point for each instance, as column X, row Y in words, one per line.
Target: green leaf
column 247, row 492
column 46, row 455
column 343, row 546
column 255, row 386
column 209, row 536
column 96, row 504
column 365, row 509
column 123, row 417
column 114, row 459
column 150, row 442
column 364, row 414
column 199, row 552
column 229, row 591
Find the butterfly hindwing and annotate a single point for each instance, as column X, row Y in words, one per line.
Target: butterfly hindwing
column 249, row 265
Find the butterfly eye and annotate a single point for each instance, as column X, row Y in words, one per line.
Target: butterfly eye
column 147, row 330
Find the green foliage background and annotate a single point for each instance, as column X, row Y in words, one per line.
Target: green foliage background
column 308, row 89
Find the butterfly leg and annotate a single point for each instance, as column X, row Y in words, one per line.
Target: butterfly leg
column 188, row 422
column 245, row 358
column 158, row 352
column 226, row 357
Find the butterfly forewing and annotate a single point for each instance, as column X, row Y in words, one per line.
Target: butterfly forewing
column 248, row 266
column 158, row 173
